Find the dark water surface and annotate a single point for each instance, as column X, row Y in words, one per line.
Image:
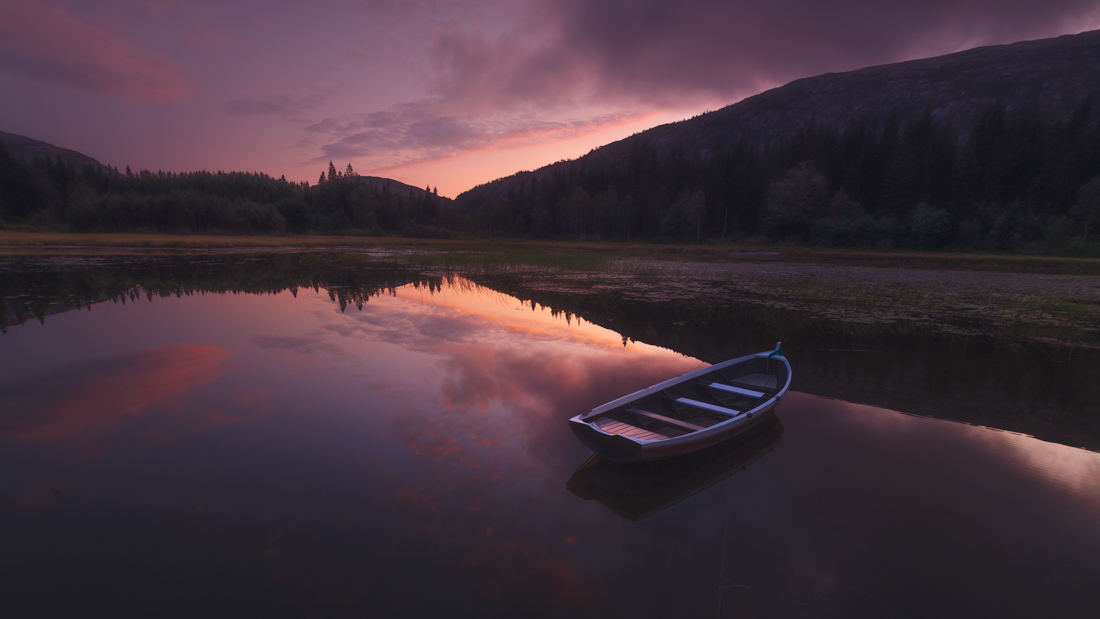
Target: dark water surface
column 287, row 453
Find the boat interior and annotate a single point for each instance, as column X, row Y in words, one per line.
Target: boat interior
column 696, row 404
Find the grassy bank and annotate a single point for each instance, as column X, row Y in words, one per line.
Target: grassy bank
column 566, row 254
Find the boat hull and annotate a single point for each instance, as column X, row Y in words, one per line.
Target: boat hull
column 614, row 447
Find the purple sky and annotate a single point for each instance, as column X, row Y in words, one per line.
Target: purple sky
column 444, row 92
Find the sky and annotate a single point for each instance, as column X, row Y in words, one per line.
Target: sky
column 446, row 93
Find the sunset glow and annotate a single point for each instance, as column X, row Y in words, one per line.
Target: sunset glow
column 435, row 93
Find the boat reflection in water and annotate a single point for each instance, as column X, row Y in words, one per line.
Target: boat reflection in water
column 636, row 491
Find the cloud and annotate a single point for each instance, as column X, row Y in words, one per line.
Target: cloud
column 418, row 132
column 524, row 67
column 275, row 105
column 47, row 44
column 660, row 53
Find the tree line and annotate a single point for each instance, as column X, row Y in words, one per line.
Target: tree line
column 46, row 193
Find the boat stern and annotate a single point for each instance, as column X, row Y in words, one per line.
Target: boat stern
column 613, row 447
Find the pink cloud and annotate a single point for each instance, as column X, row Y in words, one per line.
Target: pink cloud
column 415, row 133
column 47, row 44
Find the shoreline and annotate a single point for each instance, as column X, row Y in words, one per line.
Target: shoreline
column 13, row 243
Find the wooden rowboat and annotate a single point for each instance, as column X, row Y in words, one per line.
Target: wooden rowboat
column 687, row 413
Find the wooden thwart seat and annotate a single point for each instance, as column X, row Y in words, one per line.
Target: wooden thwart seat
column 759, row 381
column 737, row 390
column 669, row 420
column 721, row 410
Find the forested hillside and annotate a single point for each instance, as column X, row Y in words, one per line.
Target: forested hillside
column 1018, row 178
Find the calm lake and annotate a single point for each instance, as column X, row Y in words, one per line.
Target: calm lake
column 249, row 437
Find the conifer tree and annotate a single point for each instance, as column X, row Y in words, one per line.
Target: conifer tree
column 697, row 212
column 1087, row 207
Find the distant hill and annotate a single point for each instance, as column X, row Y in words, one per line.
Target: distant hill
column 1053, row 75
column 26, row 148
column 398, row 187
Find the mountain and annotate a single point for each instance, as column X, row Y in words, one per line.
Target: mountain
column 23, row 147
column 1052, row 75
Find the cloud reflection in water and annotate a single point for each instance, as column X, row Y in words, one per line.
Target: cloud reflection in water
column 83, row 403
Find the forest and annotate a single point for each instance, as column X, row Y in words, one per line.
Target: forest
column 1016, row 181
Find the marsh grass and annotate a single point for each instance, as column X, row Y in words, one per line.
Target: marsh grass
column 561, row 254
column 506, row 259
column 1027, row 306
